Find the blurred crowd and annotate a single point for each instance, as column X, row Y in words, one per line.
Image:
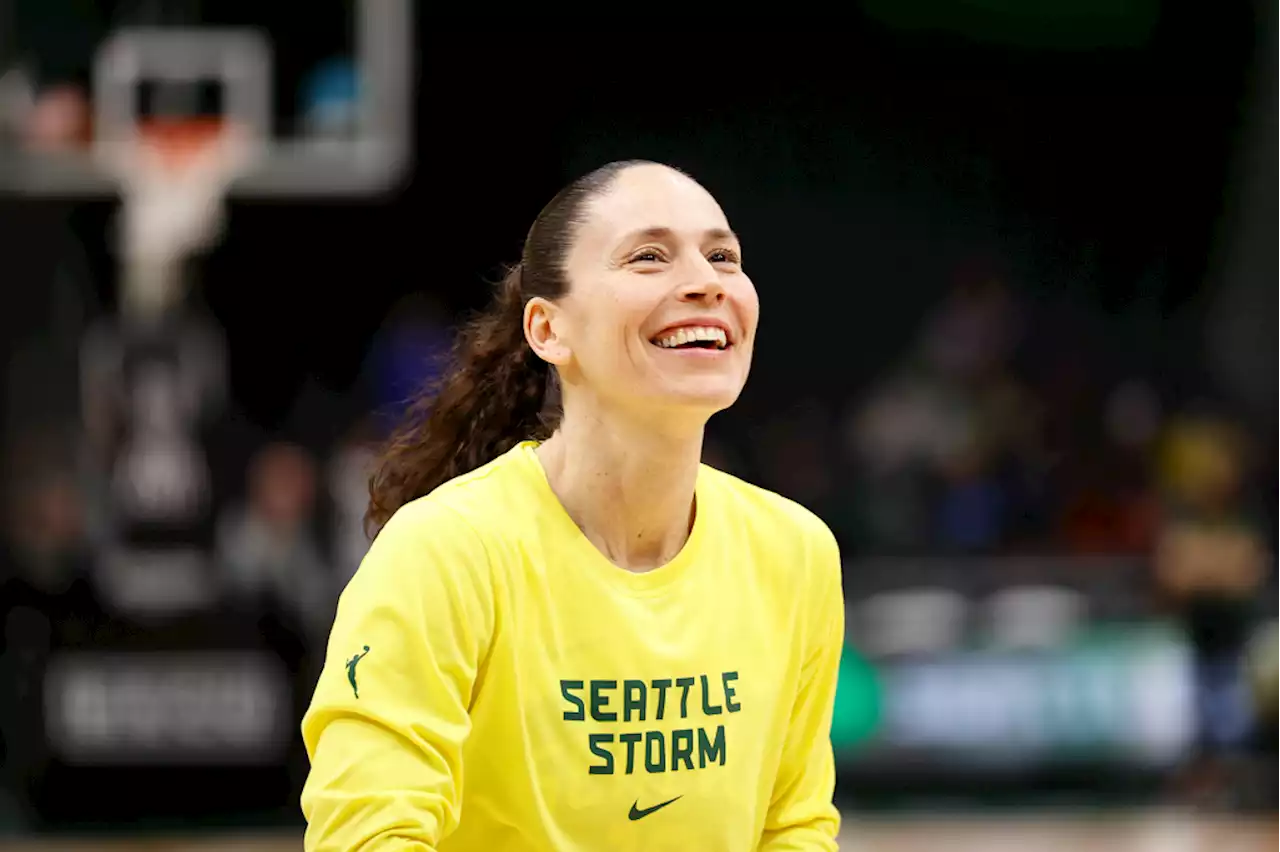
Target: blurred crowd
column 1002, row 430
column 145, row 515
column 995, row 433
column 1007, row 428
column 1013, row 429
column 148, row 472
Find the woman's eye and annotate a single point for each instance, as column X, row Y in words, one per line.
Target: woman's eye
column 722, row 256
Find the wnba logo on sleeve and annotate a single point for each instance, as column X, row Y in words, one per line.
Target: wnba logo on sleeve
column 351, row 670
column 678, row 744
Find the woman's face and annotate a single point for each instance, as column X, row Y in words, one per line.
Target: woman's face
column 659, row 313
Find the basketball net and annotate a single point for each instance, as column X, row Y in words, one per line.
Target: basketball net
column 173, row 176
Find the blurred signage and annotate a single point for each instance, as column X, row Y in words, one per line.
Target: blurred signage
column 1114, row 693
column 175, row 708
column 150, row 390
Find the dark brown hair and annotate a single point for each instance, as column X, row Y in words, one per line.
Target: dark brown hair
column 494, row 393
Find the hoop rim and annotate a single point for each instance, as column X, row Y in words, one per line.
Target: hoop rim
column 177, row 142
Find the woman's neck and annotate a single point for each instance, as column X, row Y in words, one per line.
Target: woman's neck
column 630, row 489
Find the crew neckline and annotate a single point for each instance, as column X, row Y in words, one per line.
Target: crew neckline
column 654, row 580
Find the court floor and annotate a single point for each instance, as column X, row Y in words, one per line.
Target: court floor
column 1160, row 831
column 1147, row 832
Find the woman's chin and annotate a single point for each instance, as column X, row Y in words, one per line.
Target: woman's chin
column 705, row 396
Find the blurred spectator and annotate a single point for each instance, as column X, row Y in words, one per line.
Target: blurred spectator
column 1264, row 682
column 58, row 119
column 1210, row 563
column 1111, row 506
column 974, row 332
column 898, row 440
column 348, row 481
column 46, row 558
column 1133, row 415
column 1110, row 510
column 407, row 353
column 267, row 545
column 973, row 505
column 47, row 603
column 944, row 445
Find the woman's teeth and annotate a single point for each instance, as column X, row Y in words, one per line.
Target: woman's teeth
column 694, row 334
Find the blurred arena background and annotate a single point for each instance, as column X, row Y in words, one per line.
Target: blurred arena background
column 1018, row 270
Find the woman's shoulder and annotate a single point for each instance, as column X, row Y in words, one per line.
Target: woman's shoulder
column 793, row 549
column 442, row 534
column 480, row 503
column 765, row 509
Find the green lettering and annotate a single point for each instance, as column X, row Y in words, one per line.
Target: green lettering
column 708, row 751
column 655, row 762
column 681, row 749
column 630, row 740
column 707, row 708
column 594, row 742
column 662, row 685
column 729, row 704
column 599, row 701
column 684, row 683
column 572, row 715
column 634, row 700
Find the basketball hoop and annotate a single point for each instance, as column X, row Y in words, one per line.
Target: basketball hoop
column 173, row 175
column 176, row 144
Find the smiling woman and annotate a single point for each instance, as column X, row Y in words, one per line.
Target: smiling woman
column 558, row 584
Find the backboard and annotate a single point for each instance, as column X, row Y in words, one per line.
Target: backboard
column 321, row 91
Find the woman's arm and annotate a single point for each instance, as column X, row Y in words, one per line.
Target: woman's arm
column 390, row 714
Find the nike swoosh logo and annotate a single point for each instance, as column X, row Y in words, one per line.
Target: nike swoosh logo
column 636, row 813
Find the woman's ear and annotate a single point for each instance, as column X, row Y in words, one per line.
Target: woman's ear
column 544, row 329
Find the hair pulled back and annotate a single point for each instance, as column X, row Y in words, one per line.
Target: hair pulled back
column 494, row 393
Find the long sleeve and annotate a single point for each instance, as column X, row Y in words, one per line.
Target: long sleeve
column 390, row 714
column 801, row 814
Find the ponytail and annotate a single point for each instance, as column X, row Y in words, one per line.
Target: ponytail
column 491, row 398
column 496, row 393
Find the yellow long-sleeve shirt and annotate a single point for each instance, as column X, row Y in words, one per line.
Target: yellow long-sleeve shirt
column 494, row 683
